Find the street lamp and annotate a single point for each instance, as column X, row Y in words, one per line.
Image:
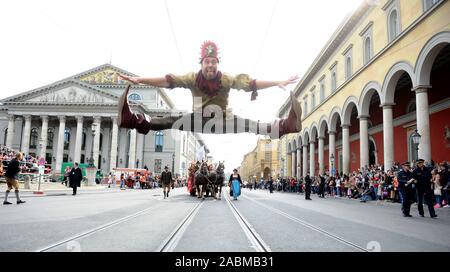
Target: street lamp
column 416, row 141
column 332, row 164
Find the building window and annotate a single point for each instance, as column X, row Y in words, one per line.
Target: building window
column 306, row 106
column 158, row 163
column 159, row 141
column 322, row 90
column 367, row 38
column 66, row 138
column 333, row 81
column 392, row 9
column 393, row 25
column 134, row 97
column 313, row 101
column 348, row 68
column 427, row 4
column 50, row 136
column 34, row 138
column 367, row 50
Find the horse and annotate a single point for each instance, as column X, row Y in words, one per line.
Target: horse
column 201, row 179
column 219, row 180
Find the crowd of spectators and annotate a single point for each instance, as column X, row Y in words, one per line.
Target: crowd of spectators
column 369, row 184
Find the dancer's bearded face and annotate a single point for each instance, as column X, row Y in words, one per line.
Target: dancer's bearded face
column 209, row 68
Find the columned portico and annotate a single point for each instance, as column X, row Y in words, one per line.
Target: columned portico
column 60, row 147
column 114, row 133
column 132, row 152
column 312, row 166
column 10, row 135
column 299, row 159
column 26, row 135
column 294, row 163
column 321, row 159
column 79, row 139
column 96, row 145
column 345, row 149
column 388, row 136
column 305, row 159
column 423, row 122
column 44, row 135
column 364, row 141
column 331, row 149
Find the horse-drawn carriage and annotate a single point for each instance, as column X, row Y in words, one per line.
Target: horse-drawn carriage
column 205, row 179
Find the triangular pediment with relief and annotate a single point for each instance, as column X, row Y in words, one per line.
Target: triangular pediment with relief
column 72, row 94
column 106, row 74
column 69, row 92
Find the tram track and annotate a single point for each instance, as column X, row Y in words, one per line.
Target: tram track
column 309, row 225
column 171, row 242
column 97, row 229
column 254, row 238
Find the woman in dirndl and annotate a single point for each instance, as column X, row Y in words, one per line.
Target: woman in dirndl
column 235, row 183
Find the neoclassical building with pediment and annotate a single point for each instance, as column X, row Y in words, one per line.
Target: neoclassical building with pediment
column 75, row 119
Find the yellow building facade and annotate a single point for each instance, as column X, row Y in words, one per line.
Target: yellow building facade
column 380, row 77
column 263, row 161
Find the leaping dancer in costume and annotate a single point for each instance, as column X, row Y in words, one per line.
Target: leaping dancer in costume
column 211, row 114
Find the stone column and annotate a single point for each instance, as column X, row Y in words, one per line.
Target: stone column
column 305, row 159
column 11, row 127
column 114, row 133
column 60, row 146
column 423, row 122
column 388, row 136
column 44, row 137
column 139, row 150
column 363, row 142
column 299, row 159
column 321, row 160
column 26, row 135
column 78, row 140
column 294, row 163
column 96, row 145
column 288, row 164
column 312, row 151
column 332, row 150
column 345, row 149
column 132, row 152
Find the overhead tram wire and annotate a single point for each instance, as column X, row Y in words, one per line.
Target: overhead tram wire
column 258, row 59
column 172, row 29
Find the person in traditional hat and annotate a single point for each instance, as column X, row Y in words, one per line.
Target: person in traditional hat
column 166, row 180
column 422, row 175
column 405, row 181
column 210, row 89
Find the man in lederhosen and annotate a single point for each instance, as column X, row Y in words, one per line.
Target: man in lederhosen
column 166, row 180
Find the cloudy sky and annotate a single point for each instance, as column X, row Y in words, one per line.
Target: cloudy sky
column 45, row 41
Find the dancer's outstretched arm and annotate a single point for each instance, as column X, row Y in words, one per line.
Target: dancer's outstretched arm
column 261, row 84
column 160, row 82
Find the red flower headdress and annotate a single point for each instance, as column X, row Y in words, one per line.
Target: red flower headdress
column 209, row 49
